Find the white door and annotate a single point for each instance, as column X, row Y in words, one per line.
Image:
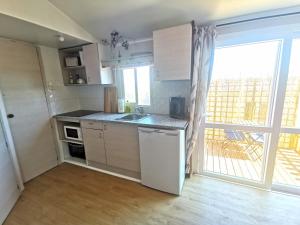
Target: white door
column 9, row 191
column 24, row 98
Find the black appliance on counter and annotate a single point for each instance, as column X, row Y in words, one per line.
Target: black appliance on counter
column 177, row 107
column 76, row 150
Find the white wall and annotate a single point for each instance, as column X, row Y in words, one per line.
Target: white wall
column 43, row 13
column 91, row 97
column 61, row 98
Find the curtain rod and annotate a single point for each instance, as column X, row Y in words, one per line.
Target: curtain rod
column 257, row 18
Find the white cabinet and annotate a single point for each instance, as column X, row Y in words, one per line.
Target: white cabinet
column 88, row 66
column 173, row 52
column 91, row 62
column 107, row 76
column 122, row 146
column 94, row 145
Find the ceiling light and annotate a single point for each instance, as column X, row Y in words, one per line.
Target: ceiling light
column 115, row 39
column 61, row 38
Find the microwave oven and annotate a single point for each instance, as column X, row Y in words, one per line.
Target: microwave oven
column 73, row 133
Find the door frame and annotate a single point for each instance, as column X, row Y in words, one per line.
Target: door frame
column 273, row 128
column 10, row 144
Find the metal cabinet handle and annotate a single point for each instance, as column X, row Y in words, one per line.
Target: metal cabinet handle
column 171, row 134
column 104, row 126
column 100, row 135
column 147, row 132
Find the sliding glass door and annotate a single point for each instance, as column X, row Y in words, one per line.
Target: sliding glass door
column 251, row 133
column 240, row 97
column 287, row 164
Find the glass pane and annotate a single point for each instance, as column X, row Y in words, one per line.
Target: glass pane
column 291, row 109
column 241, row 84
column 234, row 152
column 129, row 85
column 287, row 166
column 143, row 85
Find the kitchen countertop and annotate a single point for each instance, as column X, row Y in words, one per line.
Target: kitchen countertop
column 152, row 120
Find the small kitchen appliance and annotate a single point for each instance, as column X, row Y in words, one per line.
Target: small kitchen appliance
column 177, row 107
column 76, row 150
column 73, row 133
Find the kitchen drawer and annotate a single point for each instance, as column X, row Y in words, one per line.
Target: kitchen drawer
column 92, row 124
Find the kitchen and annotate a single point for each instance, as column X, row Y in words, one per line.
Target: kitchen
column 112, row 141
column 110, row 119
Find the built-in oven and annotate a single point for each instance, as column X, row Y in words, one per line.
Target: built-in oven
column 73, row 133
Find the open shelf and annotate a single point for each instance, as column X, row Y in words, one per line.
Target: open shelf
column 73, row 67
column 72, row 72
column 75, row 160
column 78, row 84
column 72, row 141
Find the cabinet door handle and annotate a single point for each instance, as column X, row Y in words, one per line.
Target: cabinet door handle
column 104, row 126
column 100, row 135
column 147, row 132
column 175, row 135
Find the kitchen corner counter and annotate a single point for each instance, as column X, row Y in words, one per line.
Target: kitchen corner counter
column 153, row 120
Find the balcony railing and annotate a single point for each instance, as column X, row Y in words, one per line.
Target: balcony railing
column 239, row 153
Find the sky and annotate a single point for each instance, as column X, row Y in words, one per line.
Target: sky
column 255, row 60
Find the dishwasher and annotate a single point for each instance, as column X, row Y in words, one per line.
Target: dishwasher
column 162, row 155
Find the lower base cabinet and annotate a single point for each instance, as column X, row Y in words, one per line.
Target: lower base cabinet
column 112, row 146
column 122, row 146
column 94, row 145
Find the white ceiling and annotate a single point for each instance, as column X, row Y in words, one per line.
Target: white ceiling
column 18, row 29
column 138, row 18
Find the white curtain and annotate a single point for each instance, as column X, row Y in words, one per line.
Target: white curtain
column 203, row 48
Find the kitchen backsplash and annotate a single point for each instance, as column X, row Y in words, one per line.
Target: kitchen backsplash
column 161, row 91
column 91, row 97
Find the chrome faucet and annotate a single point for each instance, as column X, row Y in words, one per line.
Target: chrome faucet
column 140, row 110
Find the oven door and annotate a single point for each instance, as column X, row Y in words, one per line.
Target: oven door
column 73, row 133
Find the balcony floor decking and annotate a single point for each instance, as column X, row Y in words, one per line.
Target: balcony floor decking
column 236, row 163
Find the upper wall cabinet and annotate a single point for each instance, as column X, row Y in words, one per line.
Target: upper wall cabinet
column 172, row 52
column 82, row 66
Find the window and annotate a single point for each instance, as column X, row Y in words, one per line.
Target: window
column 136, row 83
column 238, row 106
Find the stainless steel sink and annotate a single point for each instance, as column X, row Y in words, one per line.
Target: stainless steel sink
column 131, row 117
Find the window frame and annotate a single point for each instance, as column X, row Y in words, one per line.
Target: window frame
column 136, row 85
column 274, row 127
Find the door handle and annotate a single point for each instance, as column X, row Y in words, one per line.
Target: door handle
column 10, row 116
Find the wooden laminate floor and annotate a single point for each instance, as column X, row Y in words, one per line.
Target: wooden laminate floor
column 71, row 195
